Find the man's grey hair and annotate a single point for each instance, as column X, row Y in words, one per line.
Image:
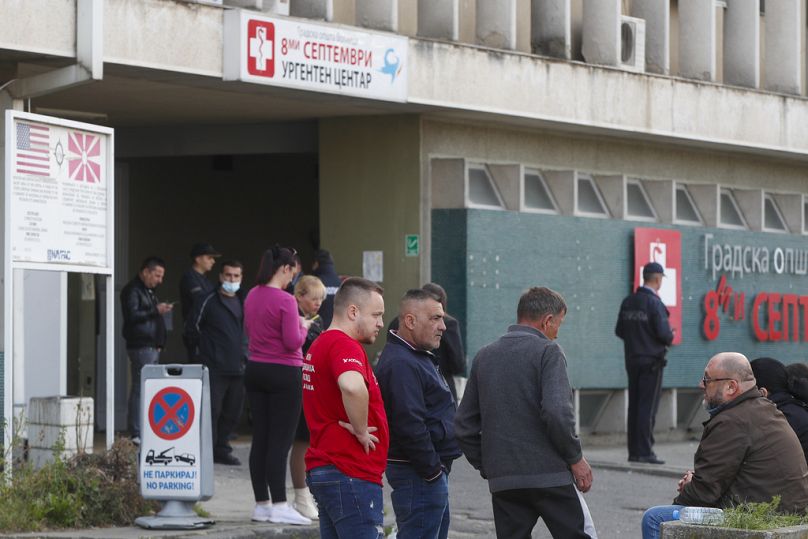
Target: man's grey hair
column 540, row 301
column 412, row 296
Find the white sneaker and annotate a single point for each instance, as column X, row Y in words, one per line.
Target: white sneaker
column 283, row 513
column 304, row 504
column 262, row 513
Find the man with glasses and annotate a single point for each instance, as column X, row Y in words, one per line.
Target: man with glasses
column 747, row 453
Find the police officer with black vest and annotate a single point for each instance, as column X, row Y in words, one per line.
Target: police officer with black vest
column 643, row 325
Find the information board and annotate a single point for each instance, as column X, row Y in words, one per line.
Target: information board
column 59, row 193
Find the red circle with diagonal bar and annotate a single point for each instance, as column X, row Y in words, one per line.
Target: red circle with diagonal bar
column 171, row 413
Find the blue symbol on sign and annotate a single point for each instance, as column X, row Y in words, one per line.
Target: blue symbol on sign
column 171, row 413
column 391, row 65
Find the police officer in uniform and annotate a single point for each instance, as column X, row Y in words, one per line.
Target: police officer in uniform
column 643, row 325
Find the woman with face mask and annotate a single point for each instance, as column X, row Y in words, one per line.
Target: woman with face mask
column 310, row 293
column 273, row 380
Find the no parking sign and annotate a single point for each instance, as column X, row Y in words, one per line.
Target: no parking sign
column 176, row 461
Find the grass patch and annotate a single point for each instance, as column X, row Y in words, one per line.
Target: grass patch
column 87, row 490
column 761, row 516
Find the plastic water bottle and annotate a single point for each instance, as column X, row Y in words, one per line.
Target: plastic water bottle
column 709, row 516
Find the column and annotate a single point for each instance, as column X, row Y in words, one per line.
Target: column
column 551, row 28
column 784, row 32
column 496, row 23
column 697, row 37
column 377, row 14
column 601, row 32
column 439, row 19
column 657, row 16
column 742, row 43
column 312, row 9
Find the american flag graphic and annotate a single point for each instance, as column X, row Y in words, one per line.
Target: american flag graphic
column 33, row 149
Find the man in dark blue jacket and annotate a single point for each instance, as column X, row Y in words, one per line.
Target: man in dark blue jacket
column 323, row 269
column 643, row 325
column 420, row 414
column 215, row 334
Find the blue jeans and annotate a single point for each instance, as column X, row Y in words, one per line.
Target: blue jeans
column 422, row 508
column 654, row 517
column 138, row 358
column 349, row 508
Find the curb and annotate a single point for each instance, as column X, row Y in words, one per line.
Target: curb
column 220, row 530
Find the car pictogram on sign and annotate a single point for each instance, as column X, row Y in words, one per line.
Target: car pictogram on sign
column 186, row 458
column 171, row 413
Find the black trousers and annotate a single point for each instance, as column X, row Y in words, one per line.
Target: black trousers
column 644, row 390
column 275, row 394
column 517, row 511
column 226, row 403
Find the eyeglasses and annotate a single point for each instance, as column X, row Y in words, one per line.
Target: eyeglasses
column 705, row 380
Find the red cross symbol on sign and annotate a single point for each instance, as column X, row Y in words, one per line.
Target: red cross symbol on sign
column 261, row 48
column 171, row 413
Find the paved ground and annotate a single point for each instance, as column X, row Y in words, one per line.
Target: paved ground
column 620, row 494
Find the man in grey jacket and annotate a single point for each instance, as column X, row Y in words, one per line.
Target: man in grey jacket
column 516, row 425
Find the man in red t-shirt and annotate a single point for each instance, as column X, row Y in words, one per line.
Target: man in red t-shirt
column 345, row 414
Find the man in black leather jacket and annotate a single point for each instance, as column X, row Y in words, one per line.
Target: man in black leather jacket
column 144, row 329
column 643, row 325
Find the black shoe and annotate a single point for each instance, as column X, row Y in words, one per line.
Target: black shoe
column 228, row 460
column 650, row 459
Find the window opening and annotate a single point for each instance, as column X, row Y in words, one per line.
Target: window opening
column 686, row 211
column 482, row 191
column 638, row 205
column 804, row 214
column 730, row 214
column 772, row 218
column 589, row 201
column 537, row 194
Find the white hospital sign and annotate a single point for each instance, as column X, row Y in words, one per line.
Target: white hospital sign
column 316, row 57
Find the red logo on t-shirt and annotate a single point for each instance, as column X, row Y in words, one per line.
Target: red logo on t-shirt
column 261, row 48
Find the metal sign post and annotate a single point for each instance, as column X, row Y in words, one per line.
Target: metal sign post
column 176, row 452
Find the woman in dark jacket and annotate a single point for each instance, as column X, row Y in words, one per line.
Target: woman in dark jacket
column 773, row 381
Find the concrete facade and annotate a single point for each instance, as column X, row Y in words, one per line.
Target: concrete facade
column 508, row 89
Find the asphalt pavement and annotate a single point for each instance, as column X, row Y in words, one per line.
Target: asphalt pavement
column 620, row 493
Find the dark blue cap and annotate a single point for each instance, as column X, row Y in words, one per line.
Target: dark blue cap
column 653, row 267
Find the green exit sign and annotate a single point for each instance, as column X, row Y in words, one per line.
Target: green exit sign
column 412, row 245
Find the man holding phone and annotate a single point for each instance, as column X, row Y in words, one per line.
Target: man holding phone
column 144, row 329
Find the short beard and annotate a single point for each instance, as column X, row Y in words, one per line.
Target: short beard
column 710, row 404
column 369, row 338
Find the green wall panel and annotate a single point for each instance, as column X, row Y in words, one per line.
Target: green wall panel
column 486, row 259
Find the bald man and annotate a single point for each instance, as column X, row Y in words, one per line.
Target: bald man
column 748, row 452
column 420, row 412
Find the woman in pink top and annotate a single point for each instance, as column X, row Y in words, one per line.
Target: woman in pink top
column 273, row 381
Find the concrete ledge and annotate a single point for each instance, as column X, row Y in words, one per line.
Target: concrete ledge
column 678, row 530
column 220, row 530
